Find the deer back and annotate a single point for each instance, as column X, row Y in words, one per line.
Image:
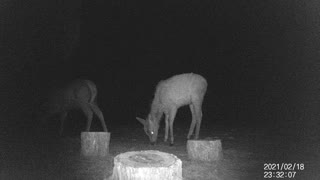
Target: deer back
column 181, row 89
column 80, row 91
column 70, row 96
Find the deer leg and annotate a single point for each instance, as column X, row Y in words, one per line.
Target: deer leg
column 193, row 122
column 171, row 120
column 167, row 127
column 199, row 119
column 88, row 113
column 63, row 116
column 98, row 112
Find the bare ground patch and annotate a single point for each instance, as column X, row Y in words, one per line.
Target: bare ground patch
column 244, row 156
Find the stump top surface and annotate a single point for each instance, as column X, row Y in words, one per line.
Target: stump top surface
column 146, row 159
column 95, row 133
column 204, row 140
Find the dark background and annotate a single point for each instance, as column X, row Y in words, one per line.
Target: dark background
column 260, row 58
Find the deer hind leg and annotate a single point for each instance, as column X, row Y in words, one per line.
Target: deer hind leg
column 98, row 112
column 198, row 112
column 194, row 120
column 88, row 113
column 171, row 120
column 63, row 116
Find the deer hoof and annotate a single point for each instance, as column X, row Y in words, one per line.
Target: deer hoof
column 171, row 144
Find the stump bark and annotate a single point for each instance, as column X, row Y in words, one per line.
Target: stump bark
column 95, row 143
column 146, row 165
column 204, row 150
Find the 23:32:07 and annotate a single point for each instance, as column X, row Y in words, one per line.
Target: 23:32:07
column 279, row 174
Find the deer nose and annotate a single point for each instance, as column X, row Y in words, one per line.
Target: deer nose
column 153, row 143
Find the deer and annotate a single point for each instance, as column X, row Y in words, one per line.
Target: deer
column 171, row 94
column 79, row 94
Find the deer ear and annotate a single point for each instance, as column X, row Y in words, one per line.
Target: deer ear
column 142, row 121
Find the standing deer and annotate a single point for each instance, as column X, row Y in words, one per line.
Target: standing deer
column 170, row 95
column 79, row 94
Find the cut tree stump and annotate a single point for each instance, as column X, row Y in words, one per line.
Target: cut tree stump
column 146, row 165
column 95, row 143
column 204, row 150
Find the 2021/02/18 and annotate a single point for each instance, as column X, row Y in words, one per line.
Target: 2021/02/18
column 283, row 166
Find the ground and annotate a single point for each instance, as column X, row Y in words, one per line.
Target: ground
column 246, row 151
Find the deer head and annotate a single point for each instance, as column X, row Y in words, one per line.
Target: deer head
column 150, row 127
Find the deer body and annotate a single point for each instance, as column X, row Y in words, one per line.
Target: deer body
column 170, row 95
column 79, row 94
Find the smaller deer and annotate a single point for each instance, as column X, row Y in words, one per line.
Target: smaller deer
column 79, row 94
column 170, row 95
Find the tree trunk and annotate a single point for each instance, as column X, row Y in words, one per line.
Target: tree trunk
column 95, row 143
column 146, row 165
column 204, row 150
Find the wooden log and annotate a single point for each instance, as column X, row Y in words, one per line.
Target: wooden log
column 95, row 143
column 146, row 165
column 204, row 150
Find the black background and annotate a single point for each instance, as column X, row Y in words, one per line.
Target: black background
column 260, row 58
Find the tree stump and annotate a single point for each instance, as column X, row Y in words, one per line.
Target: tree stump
column 146, row 165
column 95, row 143
column 204, row 150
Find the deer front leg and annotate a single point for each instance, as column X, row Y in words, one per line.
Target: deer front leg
column 166, row 128
column 171, row 120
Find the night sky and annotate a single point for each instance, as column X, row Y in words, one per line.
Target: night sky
column 260, row 58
